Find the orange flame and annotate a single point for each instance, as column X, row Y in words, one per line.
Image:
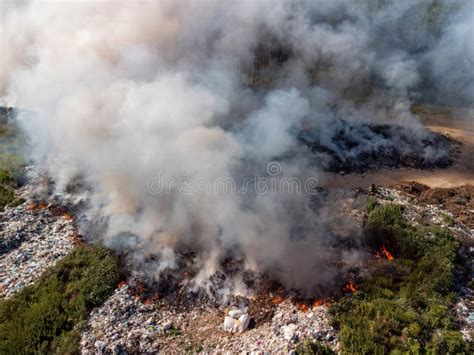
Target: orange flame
column 68, row 216
column 303, row 307
column 277, row 299
column 318, row 303
column 139, row 288
column 77, row 239
column 350, row 286
column 122, row 284
column 37, row 206
column 321, row 302
column 387, row 253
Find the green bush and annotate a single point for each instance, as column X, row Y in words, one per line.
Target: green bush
column 371, row 203
column 11, row 162
column 447, row 342
column 7, row 190
column 308, row 347
column 44, row 317
column 405, row 306
column 449, row 220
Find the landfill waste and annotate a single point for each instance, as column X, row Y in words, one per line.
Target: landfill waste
column 236, row 321
column 37, row 233
column 32, row 238
column 127, row 324
column 123, row 322
column 289, row 331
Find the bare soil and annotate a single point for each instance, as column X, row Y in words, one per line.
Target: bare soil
column 457, row 200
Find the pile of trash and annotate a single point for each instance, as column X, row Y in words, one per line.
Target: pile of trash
column 32, row 238
column 34, row 235
column 417, row 213
column 289, row 325
column 128, row 323
column 236, row 320
column 125, row 323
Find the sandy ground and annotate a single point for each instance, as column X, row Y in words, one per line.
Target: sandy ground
column 458, row 125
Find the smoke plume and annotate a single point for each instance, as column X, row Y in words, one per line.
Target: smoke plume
column 124, row 92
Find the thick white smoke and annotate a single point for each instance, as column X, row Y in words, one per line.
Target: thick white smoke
column 125, row 91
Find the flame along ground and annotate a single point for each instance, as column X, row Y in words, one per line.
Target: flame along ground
column 384, row 252
column 387, row 253
column 280, row 294
column 350, row 286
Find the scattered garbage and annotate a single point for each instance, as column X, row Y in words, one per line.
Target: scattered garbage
column 123, row 322
column 34, row 236
column 235, row 313
column 230, row 324
column 127, row 324
column 31, row 239
column 236, row 321
column 289, row 332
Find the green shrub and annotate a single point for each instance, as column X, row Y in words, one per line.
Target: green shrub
column 308, row 347
column 449, row 220
column 44, row 317
column 371, row 203
column 11, row 163
column 405, row 306
column 12, row 143
column 384, row 224
column 7, row 190
column 448, row 342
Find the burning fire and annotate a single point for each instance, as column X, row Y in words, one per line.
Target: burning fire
column 387, row 253
column 384, row 251
column 320, row 302
column 68, row 216
column 303, row 307
column 122, row 284
column 37, row 206
column 350, row 286
column 277, row 299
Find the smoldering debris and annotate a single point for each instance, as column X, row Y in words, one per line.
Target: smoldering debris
column 125, row 91
column 354, row 147
column 123, row 324
column 131, row 320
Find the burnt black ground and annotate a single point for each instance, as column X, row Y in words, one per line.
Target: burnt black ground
column 358, row 148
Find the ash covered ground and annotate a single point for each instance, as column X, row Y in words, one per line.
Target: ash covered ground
column 369, row 146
